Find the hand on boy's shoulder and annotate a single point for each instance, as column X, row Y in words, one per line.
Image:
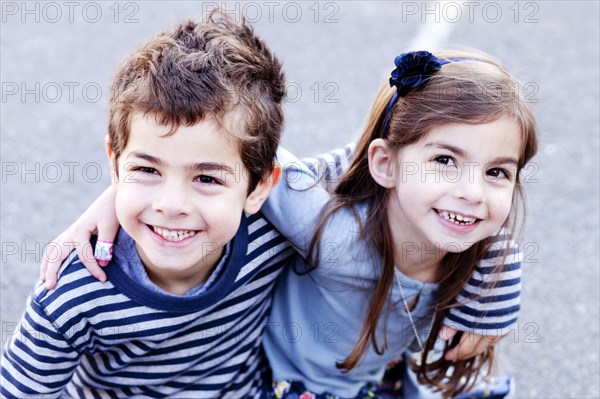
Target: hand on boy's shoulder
column 72, row 276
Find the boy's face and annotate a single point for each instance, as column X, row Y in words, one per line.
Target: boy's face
column 181, row 197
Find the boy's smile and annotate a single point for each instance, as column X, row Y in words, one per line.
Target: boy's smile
column 173, row 235
column 180, row 197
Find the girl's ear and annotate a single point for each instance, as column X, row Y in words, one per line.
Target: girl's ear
column 381, row 163
column 262, row 190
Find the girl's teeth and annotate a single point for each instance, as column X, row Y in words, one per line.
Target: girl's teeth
column 173, row 235
column 457, row 219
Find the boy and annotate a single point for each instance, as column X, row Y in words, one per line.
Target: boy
column 195, row 120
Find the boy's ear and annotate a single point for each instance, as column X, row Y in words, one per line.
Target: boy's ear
column 262, row 190
column 112, row 164
column 381, row 163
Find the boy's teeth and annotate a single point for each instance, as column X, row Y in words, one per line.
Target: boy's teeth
column 457, row 219
column 173, row 235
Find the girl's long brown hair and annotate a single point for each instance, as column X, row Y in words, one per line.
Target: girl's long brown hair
column 471, row 92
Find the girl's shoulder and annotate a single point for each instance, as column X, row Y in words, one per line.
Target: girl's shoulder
column 345, row 253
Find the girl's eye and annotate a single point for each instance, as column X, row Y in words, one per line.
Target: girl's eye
column 444, row 160
column 498, row 173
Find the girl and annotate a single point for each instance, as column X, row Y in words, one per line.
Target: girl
column 425, row 208
column 417, row 216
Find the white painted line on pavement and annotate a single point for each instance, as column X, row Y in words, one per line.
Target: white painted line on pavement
column 433, row 34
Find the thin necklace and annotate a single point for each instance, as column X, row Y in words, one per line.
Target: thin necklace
column 410, row 318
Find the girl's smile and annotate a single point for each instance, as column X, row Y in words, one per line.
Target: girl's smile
column 458, row 222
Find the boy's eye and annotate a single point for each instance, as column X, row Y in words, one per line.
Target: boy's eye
column 444, row 160
column 207, row 179
column 144, row 169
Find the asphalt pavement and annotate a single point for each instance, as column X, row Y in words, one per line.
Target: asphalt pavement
column 56, row 59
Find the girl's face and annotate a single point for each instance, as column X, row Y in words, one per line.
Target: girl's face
column 455, row 186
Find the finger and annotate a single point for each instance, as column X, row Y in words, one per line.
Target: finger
column 465, row 349
column 102, row 255
column 51, row 274
column 48, row 254
column 107, row 232
column 473, row 346
column 59, row 250
column 446, row 333
column 469, row 352
column 86, row 256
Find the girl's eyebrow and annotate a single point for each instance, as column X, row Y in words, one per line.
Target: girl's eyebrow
column 446, row 146
column 505, row 160
column 202, row 166
column 463, row 154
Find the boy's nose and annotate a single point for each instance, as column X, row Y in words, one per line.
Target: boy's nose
column 173, row 200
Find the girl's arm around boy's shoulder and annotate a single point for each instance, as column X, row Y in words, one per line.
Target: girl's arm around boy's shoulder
column 295, row 204
column 328, row 167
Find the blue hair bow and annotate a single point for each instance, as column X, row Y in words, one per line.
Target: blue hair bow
column 413, row 71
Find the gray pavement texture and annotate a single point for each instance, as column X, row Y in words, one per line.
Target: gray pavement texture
column 56, row 61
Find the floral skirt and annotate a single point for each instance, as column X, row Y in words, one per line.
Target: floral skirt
column 389, row 388
column 297, row 390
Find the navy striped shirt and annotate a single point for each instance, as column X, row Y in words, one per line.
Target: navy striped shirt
column 118, row 339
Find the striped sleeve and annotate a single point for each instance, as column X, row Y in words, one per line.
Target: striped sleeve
column 491, row 301
column 329, row 166
column 38, row 361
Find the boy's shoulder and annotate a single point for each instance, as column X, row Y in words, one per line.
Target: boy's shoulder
column 72, row 275
column 258, row 225
column 265, row 246
column 76, row 290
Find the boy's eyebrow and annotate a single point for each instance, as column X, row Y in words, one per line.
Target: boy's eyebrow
column 463, row 154
column 211, row 167
column 204, row 166
column 147, row 157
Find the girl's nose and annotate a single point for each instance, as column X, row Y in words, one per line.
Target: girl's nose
column 471, row 187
